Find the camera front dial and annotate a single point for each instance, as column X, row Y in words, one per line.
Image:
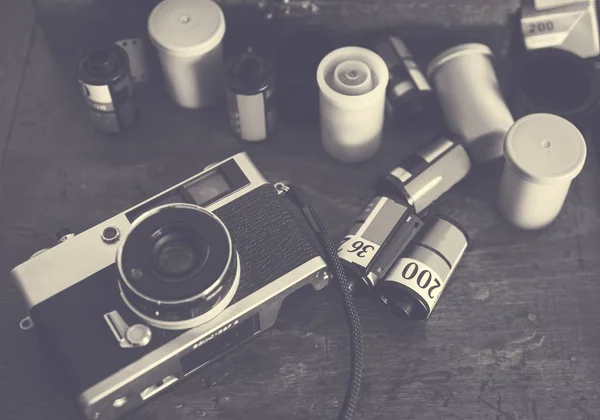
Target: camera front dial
column 178, row 266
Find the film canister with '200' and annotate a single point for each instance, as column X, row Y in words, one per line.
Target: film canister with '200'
column 251, row 96
column 107, row 88
column 375, row 241
column 413, row 286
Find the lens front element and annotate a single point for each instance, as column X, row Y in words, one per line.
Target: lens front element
column 177, row 251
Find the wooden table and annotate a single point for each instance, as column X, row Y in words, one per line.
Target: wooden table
column 515, row 335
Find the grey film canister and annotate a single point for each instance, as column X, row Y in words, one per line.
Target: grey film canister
column 424, row 176
column 413, row 286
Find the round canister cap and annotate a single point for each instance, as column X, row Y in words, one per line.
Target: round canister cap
column 454, row 52
column 186, row 27
column 545, row 148
column 356, row 60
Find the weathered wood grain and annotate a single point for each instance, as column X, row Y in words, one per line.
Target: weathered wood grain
column 16, row 27
column 72, row 26
column 515, row 335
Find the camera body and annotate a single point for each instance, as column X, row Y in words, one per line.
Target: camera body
column 139, row 302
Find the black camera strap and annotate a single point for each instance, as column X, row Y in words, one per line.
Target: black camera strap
column 296, row 196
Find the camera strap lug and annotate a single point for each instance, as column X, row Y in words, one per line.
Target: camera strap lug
column 281, row 188
column 26, row 323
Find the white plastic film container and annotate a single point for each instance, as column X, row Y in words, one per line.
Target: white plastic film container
column 352, row 83
column 470, row 97
column 543, row 154
column 188, row 35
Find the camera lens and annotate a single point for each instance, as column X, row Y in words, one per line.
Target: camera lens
column 178, row 266
column 178, row 251
column 175, row 258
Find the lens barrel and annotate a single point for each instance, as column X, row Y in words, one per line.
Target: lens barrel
column 178, row 266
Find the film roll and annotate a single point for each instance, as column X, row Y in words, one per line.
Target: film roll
column 107, row 87
column 424, row 176
column 250, row 83
column 408, row 94
column 352, row 83
column 413, row 286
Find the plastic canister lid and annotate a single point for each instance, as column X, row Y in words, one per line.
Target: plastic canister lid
column 378, row 78
column 545, row 148
column 454, row 52
column 186, row 27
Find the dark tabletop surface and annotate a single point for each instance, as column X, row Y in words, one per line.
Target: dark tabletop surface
column 515, row 335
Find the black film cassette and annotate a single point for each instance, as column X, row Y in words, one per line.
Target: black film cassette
column 107, row 87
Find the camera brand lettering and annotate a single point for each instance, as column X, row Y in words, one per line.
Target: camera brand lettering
column 216, row 333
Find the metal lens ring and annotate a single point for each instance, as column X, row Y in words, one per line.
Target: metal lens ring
column 177, row 263
column 558, row 82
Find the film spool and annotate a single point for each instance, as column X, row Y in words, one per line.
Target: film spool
column 425, row 176
column 376, row 240
column 107, row 87
column 352, row 114
column 412, row 288
column 557, row 82
column 250, row 82
column 408, row 94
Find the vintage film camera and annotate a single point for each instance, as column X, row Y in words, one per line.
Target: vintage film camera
column 146, row 298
